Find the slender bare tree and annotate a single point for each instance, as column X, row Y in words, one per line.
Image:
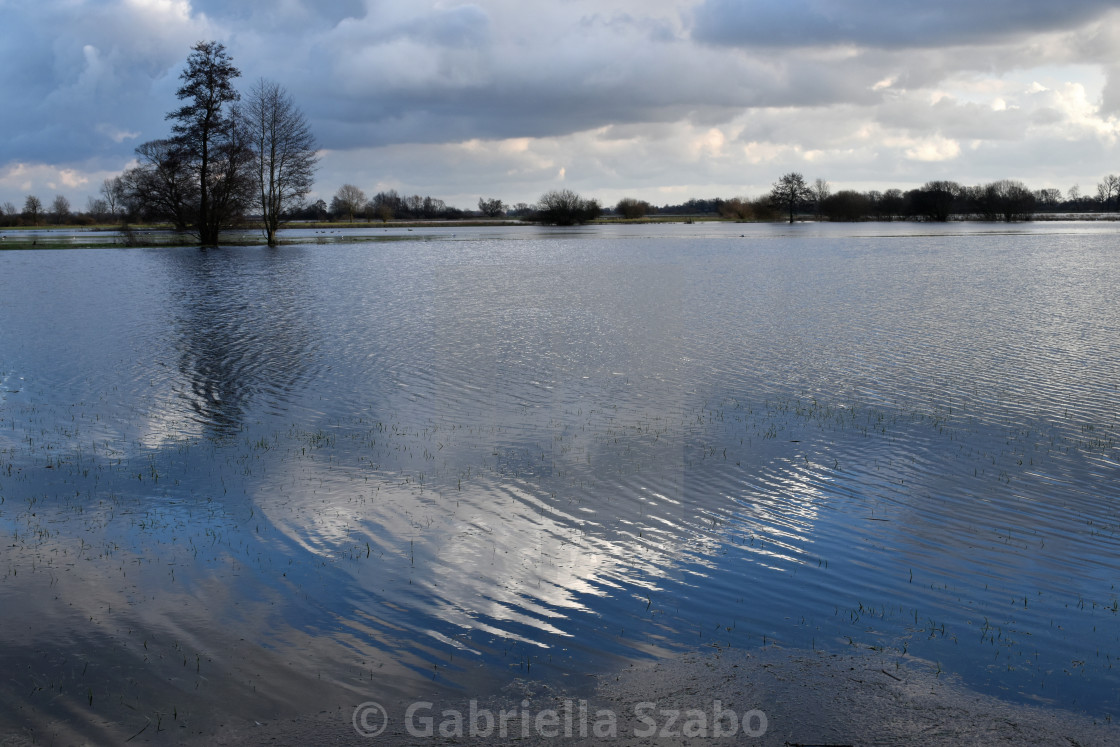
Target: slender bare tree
column 1108, row 189
column 284, row 152
column 97, row 208
column 113, row 193
column 60, row 209
column 209, row 140
column 821, row 190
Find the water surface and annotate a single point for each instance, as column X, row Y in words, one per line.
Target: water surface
column 458, row 457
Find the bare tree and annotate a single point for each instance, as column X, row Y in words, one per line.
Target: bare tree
column 1010, row 200
column 97, row 208
column 33, row 209
column 386, row 205
column 285, row 157
column 935, row 199
column 491, row 208
column 210, row 140
column 789, row 192
column 162, row 186
column 200, row 178
column 113, row 193
column 1107, row 189
column 347, row 201
column 563, row 207
column 631, row 208
column 380, row 210
column 1048, row 198
column 847, row 205
column 433, row 207
column 892, row 204
column 736, row 208
column 821, row 190
column 1074, row 199
column 381, row 206
column 60, row 209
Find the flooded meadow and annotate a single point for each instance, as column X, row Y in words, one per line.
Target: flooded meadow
column 244, row 484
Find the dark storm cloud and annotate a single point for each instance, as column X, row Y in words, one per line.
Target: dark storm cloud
column 885, row 23
column 80, row 81
column 462, row 73
column 700, row 86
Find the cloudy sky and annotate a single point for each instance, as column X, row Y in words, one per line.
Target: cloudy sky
column 657, row 99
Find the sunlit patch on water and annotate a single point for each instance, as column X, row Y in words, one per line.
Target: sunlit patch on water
column 390, row 467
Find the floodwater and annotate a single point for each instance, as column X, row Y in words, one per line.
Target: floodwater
column 248, row 483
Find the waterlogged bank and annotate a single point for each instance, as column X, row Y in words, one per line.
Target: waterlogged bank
column 245, row 484
column 146, row 236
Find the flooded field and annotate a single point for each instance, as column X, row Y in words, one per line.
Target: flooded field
column 243, row 484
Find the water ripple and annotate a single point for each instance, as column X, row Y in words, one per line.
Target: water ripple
column 556, row 448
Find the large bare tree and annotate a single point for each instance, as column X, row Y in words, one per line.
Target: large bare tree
column 284, row 152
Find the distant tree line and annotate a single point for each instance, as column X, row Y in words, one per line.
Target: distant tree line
column 1003, row 200
column 350, row 204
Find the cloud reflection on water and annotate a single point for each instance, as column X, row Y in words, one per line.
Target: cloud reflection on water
column 388, row 455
